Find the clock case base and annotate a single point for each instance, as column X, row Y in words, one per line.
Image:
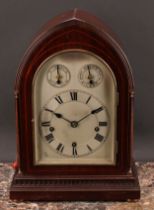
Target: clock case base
column 104, row 188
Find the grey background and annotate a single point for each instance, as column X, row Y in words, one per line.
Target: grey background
column 132, row 21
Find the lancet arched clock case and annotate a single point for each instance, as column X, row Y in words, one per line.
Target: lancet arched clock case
column 74, row 107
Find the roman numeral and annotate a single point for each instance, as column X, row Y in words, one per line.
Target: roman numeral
column 74, row 149
column 102, row 123
column 58, row 99
column 73, row 96
column 47, row 123
column 99, row 138
column 89, row 148
column 60, row 148
column 49, row 137
column 88, row 99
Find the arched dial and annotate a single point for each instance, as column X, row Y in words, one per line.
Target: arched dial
column 74, row 123
column 90, row 75
column 58, row 75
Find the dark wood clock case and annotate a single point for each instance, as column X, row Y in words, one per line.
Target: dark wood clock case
column 75, row 30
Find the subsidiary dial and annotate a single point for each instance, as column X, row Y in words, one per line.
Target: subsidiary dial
column 90, row 75
column 58, row 75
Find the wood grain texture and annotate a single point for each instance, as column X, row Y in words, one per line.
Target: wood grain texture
column 75, row 30
column 45, row 187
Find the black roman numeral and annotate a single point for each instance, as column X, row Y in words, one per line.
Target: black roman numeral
column 74, row 149
column 60, row 148
column 49, row 137
column 99, row 138
column 74, row 96
column 102, row 123
column 58, row 99
column 47, row 123
column 89, row 148
column 88, row 99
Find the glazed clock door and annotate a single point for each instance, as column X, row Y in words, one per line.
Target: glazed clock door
column 74, row 110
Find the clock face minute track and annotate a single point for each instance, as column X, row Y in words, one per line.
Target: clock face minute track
column 75, row 125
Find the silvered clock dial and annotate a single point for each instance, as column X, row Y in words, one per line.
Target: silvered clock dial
column 74, row 123
column 74, row 117
column 90, row 75
column 58, row 75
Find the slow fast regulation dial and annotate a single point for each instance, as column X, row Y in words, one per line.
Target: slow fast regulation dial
column 90, row 75
column 74, row 123
column 58, row 75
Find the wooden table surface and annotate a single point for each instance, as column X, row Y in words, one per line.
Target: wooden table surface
column 146, row 179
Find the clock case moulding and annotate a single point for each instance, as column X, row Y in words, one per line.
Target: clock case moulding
column 75, row 29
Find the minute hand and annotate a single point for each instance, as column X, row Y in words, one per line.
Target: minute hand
column 84, row 117
column 95, row 111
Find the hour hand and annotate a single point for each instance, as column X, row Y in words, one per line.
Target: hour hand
column 58, row 115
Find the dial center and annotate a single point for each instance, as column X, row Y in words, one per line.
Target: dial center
column 74, row 124
column 74, row 131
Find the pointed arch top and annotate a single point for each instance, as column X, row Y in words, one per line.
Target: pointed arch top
column 72, row 26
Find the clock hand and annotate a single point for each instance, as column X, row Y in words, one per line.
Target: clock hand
column 58, row 75
column 61, row 116
column 58, row 115
column 90, row 77
column 95, row 111
column 58, row 69
column 75, row 123
column 84, row 117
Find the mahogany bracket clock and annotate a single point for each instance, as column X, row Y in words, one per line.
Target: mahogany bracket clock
column 74, row 108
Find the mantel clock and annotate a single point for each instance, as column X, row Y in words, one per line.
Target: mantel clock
column 74, row 97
